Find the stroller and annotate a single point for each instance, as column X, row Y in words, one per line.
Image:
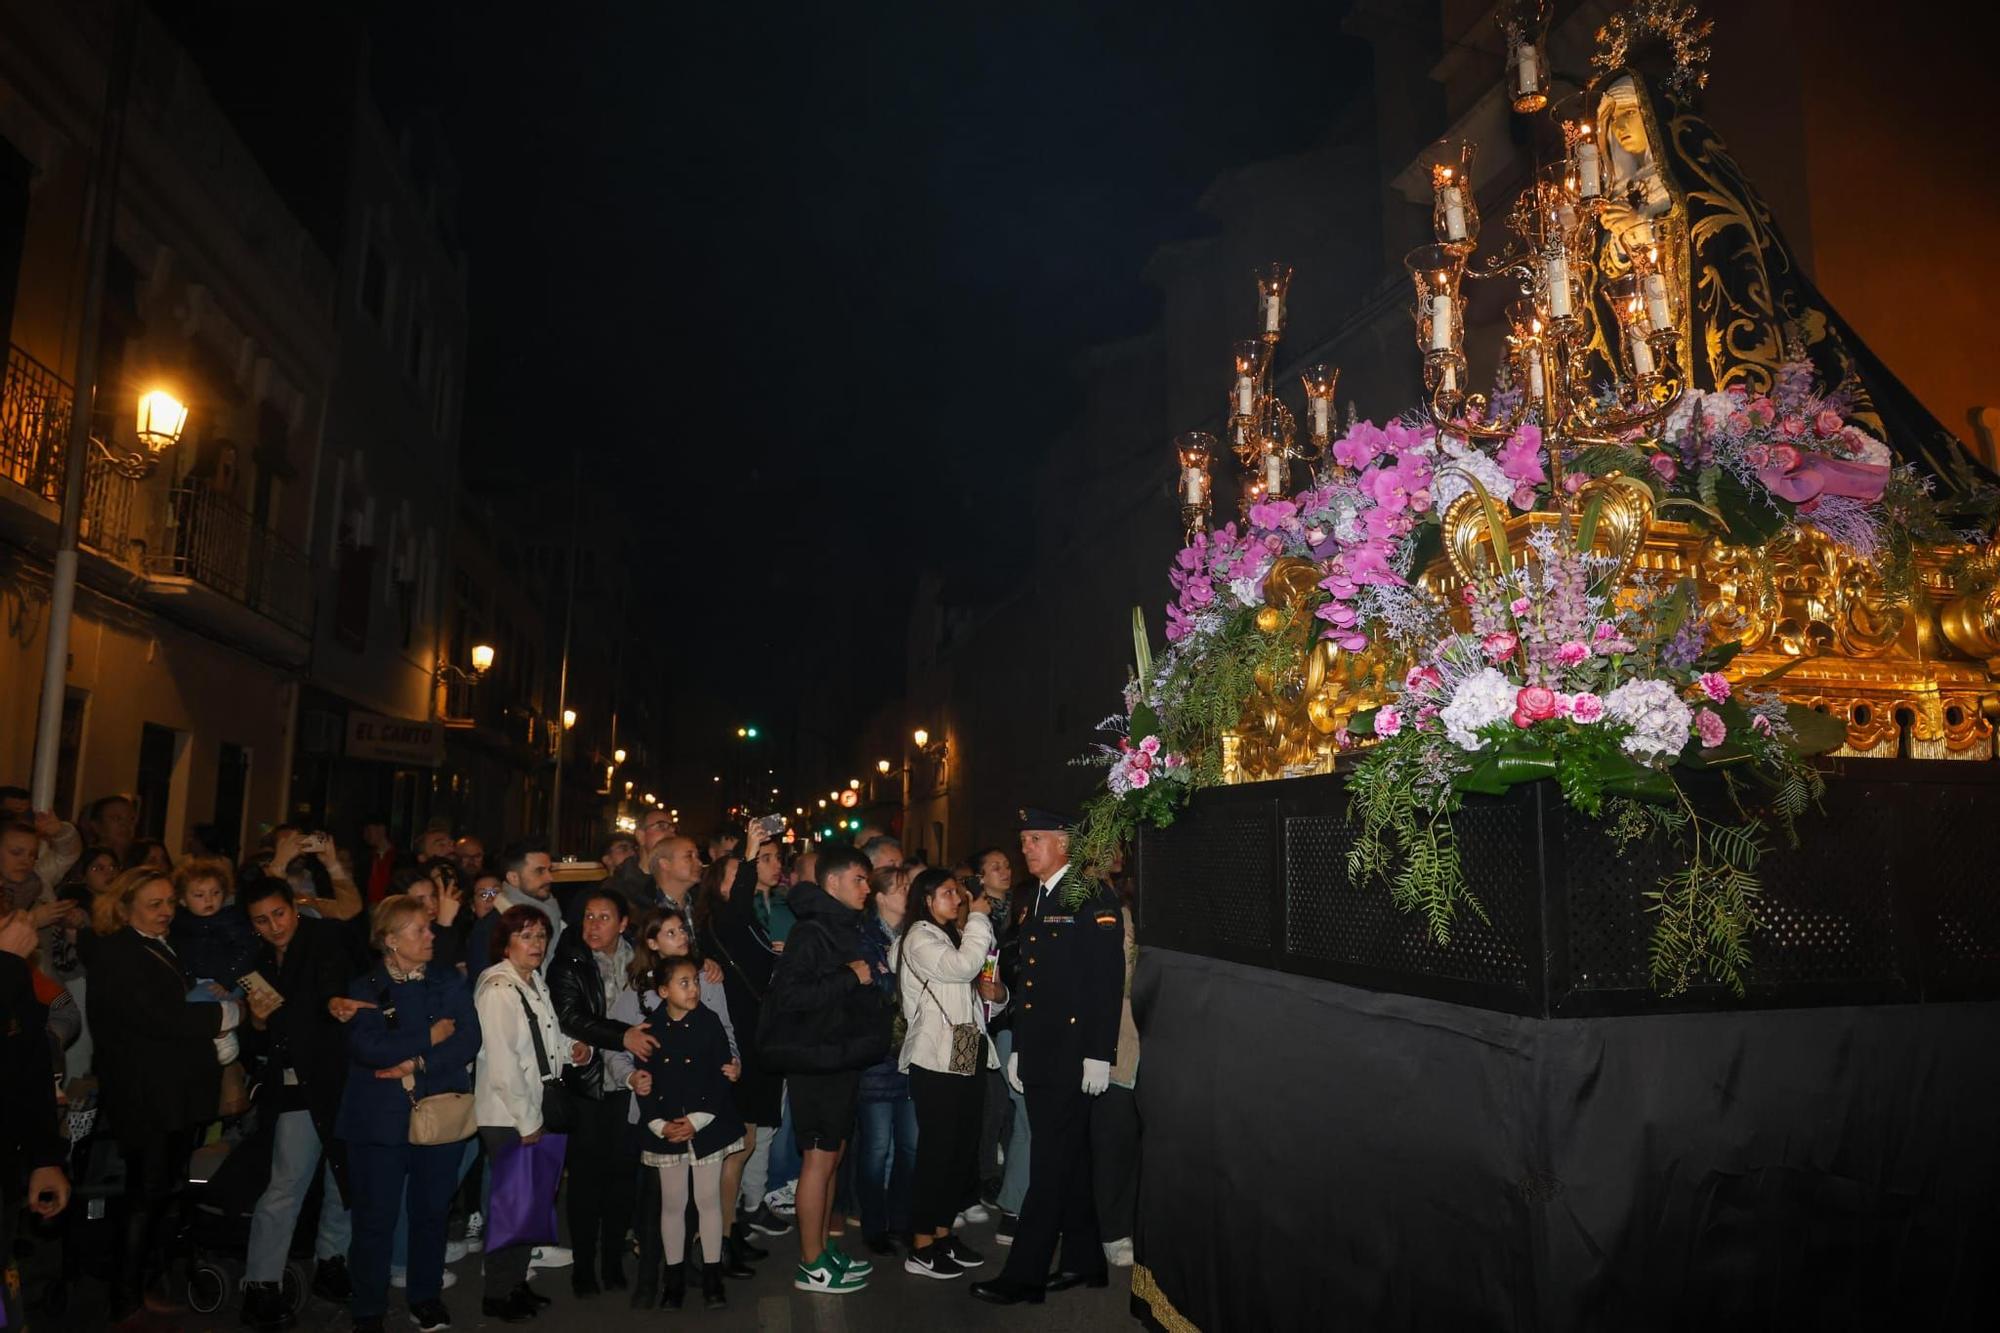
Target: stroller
column 225, row 1179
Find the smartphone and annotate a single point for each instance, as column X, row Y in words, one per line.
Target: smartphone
column 771, row 825
column 313, row 844
column 250, row 981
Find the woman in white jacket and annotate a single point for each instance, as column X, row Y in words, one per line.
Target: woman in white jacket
column 522, row 1054
column 945, row 1006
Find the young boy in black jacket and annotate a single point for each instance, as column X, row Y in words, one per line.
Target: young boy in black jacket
column 823, row 1023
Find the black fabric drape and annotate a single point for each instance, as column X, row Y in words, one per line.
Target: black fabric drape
column 1318, row 1156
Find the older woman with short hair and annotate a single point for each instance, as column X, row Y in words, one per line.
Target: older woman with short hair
column 411, row 1034
column 158, row 1074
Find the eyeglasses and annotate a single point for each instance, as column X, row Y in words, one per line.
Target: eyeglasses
column 488, row 894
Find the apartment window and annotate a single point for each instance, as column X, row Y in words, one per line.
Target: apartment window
column 232, row 781
column 157, row 751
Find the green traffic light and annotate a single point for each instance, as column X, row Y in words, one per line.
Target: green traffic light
column 753, row 733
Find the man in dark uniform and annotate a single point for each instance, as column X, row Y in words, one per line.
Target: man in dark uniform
column 1065, row 1036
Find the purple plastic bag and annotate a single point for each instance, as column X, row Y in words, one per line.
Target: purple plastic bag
column 523, row 1206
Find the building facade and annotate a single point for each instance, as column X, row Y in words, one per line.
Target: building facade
column 195, row 607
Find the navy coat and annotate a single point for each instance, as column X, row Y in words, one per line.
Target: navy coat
column 377, row 1110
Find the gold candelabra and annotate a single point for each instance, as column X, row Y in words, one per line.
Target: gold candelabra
column 1262, row 432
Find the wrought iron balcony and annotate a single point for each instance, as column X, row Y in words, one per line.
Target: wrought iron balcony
column 197, row 549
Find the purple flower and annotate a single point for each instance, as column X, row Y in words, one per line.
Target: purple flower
column 1521, row 457
column 1388, row 722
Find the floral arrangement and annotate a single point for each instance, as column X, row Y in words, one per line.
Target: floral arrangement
column 1546, row 672
column 1560, row 677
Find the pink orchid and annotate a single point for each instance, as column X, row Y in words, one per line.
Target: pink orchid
column 1521, row 457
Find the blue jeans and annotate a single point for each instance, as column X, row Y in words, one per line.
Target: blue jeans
column 885, row 1164
column 785, row 1157
column 1014, row 1175
column 295, row 1157
column 388, row 1177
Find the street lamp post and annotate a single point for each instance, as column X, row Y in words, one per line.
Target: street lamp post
column 97, row 253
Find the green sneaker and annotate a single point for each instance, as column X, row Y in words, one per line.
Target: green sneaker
column 826, row 1276
column 848, row 1263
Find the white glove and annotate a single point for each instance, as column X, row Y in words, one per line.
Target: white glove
column 1014, row 1070
column 1096, row 1076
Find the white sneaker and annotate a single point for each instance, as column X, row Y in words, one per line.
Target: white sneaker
column 400, row 1277
column 976, row 1213
column 475, row 1232
column 784, row 1200
column 1118, row 1253
column 454, row 1250
column 550, row 1256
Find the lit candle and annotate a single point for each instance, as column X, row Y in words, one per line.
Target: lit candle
column 1274, row 474
column 1642, row 355
column 1530, row 72
column 1558, row 275
column 1656, row 302
column 1587, row 181
column 1535, row 373
column 1440, row 323
column 1454, row 213
column 1274, row 313
column 1246, row 395
column 1322, row 417
column 1194, row 485
column 1449, row 377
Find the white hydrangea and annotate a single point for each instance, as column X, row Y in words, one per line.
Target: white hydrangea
column 1714, row 408
column 1659, row 720
column 1452, row 481
column 1481, row 699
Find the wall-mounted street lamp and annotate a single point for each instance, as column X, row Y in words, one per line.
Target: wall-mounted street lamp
column 569, row 719
column 618, row 756
column 882, row 767
column 921, row 737
column 482, row 662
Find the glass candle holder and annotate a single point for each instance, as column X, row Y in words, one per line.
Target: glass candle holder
column 1272, row 282
column 1319, row 381
column 1628, row 304
column 1559, row 288
column 1527, row 341
column 1454, row 209
column 1435, row 272
column 1560, row 211
column 1661, row 292
column 1249, row 361
column 1579, row 131
column 1524, row 27
column 1195, row 448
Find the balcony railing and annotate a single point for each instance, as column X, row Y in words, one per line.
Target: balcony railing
column 186, row 532
column 216, row 542
column 34, row 425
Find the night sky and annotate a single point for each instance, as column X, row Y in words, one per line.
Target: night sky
column 806, row 284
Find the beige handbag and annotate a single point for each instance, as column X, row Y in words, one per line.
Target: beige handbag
column 444, row 1117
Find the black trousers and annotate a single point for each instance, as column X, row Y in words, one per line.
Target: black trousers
column 156, row 1167
column 1114, row 1159
column 1059, row 1206
column 949, row 1112
column 603, row 1176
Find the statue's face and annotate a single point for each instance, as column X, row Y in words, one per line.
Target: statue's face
column 1631, row 160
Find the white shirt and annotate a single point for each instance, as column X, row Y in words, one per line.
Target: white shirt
column 1047, row 884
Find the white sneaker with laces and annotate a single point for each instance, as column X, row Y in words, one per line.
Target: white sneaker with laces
column 784, row 1199
column 977, row 1213
column 550, row 1256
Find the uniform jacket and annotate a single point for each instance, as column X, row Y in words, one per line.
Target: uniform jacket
column 577, row 989
column 687, row 1077
column 155, row 1051
column 507, row 1089
column 377, row 1110
column 1072, row 982
column 934, row 982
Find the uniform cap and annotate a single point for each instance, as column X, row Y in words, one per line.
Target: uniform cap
column 1035, row 819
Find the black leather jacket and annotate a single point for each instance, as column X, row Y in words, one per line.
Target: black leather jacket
column 578, row 993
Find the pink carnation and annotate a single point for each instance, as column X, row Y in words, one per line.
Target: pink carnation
column 1151, row 745
column 1520, row 606
column 1572, row 653
column 1714, row 684
column 1388, row 722
column 1586, row 708
column 1423, row 678
column 1500, row 644
column 1139, row 777
column 1712, row 729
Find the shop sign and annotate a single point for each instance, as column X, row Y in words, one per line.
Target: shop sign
column 394, row 740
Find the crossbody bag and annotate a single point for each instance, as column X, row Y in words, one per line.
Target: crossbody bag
column 442, row 1117
column 965, row 1043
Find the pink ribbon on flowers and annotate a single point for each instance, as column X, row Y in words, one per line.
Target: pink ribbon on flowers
column 1814, row 475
